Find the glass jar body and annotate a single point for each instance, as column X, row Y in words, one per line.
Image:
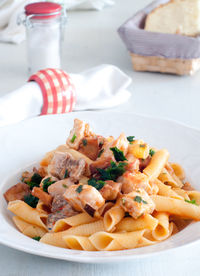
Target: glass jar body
column 44, row 43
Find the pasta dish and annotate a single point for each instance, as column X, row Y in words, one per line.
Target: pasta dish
column 103, row 193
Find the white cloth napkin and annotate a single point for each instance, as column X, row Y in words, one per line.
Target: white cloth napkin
column 12, row 32
column 98, row 88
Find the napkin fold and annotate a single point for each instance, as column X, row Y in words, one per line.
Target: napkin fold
column 12, row 32
column 104, row 86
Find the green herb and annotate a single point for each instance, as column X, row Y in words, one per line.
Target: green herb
column 31, row 200
column 139, row 200
column 64, row 186
column 193, row 201
column 100, row 153
column 73, row 138
column 46, row 183
column 123, row 201
column 36, row 238
column 118, row 154
column 151, row 152
column 130, row 139
column 112, row 172
column 66, row 174
column 142, row 145
column 35, row 181
column 79, row 189
column 36, row 178
column 98, row 184
column 84, row 142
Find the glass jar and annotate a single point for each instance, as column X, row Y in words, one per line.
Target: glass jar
column 44, row 23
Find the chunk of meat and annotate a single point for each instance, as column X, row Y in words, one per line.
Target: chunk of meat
column 133, row 163
column 17, row 192
column 59, row 187
column 110, row 190
column 134, row 181
column 90, row 147
column 137, row 203
column 79, row 131
column 43, row 196
column 100, row 164
column 80, row 196
column 65, row 161
column 188, row 187
column 59, row 209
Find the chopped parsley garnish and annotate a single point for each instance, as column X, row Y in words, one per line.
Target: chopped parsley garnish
column 118, row 154
column 73, row 138
column 193, row 201
column 46, row 183
column 142, row 145
column 100, row 153
column 139, row 200
column 31, row 200
column 123, row 201
column 64, row 186
column 35, row 181
column 98, row 184
column 66, row 174
column 36, row 238
column 84, row 142
column 151, row 152
column 79, row 189
column 130, row 139
column 36, row 178
column 112, row 172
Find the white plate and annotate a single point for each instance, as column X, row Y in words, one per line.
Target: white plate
column 27, row 142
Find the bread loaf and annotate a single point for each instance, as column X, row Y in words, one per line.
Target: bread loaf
column 175, row 17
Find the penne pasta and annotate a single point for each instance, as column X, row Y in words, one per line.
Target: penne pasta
column 167, row 179
column 117, row 241
column 178, row 170
column 177, row 207
column 157, row 163
column 55, row 239
column 64, row 224
column 25, row 212
column 129, row 224
column 112, row 217
column 181, row 193
column 162, row 231
column 194, row 195
column 28, row 229
column 79, row 243
column 86, row 229
column 165, row 190
column 42, row 208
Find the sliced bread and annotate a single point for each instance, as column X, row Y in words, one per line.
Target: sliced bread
column 175, row 17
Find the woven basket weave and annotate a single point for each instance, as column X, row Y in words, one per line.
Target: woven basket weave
column 165, row 65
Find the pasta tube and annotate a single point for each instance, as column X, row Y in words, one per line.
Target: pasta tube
column 176, row 207
column 64, row 224
column 27, row 213
column 28, row 229
column 79, row 243
column 129, row 224
column 157, row 163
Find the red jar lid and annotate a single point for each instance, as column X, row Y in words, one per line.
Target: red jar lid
column 49, row 9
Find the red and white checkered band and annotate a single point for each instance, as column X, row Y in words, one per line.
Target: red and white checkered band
column 57, row 89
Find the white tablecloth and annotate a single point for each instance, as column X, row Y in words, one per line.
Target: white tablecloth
column 91, row 39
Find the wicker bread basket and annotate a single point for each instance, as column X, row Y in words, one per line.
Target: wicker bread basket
column 157, row 52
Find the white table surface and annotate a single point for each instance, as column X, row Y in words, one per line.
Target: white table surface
column 90, row 40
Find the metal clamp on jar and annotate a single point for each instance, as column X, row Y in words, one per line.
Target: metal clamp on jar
column 44, row 23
